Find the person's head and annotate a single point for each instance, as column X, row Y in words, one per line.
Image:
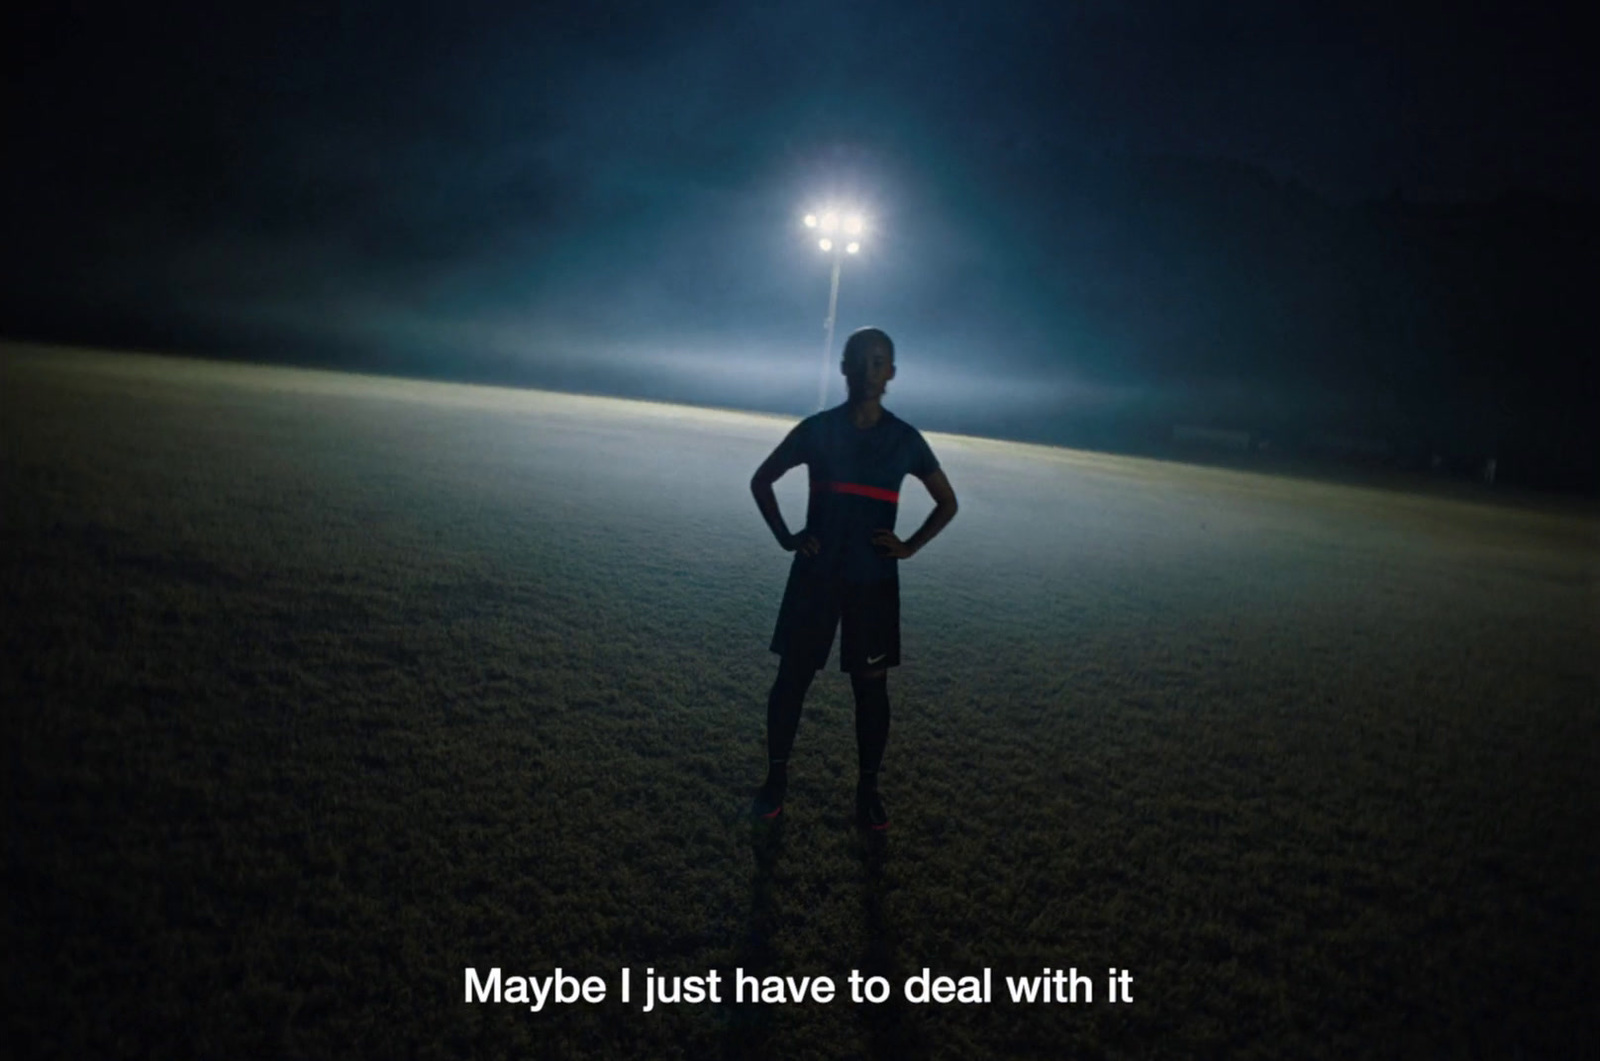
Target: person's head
column 868, row 363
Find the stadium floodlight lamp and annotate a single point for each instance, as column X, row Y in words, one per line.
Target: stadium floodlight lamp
column 825, row 221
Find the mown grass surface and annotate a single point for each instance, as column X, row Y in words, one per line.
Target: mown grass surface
column 319, row 689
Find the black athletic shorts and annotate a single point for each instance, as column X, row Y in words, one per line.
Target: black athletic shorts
column 813, row 607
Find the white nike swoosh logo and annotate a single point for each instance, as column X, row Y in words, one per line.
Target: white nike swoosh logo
column 873, row 659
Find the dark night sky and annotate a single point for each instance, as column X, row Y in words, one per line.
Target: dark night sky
column 1075, row 206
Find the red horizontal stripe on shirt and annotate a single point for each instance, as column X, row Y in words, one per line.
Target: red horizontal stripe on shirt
column 877, row 493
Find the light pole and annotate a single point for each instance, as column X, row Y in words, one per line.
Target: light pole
column 853, row 227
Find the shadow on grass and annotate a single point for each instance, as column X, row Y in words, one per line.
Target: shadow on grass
column 750, row 1023
column 891, row 1029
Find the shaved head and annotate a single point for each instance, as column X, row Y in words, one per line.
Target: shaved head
column 863, row 341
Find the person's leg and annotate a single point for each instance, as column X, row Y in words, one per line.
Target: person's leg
column 783, row 721
column 803, row 639
column 871, row 689
column 869, row 646
column 872, row 719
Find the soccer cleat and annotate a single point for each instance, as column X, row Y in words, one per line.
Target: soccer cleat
column 870, row 813
column 769, row 802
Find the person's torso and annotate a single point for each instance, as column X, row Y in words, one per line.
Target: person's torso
column 856, row 475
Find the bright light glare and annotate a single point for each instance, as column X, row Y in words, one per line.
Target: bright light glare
column 811, row 221
column 853, row 247
column 825, row 244
column 828, row 221
column 854, row 225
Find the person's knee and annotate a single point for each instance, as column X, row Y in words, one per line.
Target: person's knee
column 793, row 674
column 793, row 668
column 870, row 675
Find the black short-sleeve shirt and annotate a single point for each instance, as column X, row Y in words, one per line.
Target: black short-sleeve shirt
column 856, row 475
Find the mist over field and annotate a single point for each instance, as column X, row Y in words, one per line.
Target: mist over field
column 321, row 688
column 1350, row 232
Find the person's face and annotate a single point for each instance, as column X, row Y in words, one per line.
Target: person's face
column 869, row 374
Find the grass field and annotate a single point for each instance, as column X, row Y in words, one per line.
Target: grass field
column 320, row 689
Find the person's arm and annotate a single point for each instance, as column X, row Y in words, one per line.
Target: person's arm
column 771, row 470
column 944, row 510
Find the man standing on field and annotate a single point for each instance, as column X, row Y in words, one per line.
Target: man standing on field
column 846, row 564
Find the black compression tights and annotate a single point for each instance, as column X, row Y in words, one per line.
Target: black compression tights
column 783, row 710
column 783, row 715
column 872, row 721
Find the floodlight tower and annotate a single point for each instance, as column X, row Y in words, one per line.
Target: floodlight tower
column 850, row 227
